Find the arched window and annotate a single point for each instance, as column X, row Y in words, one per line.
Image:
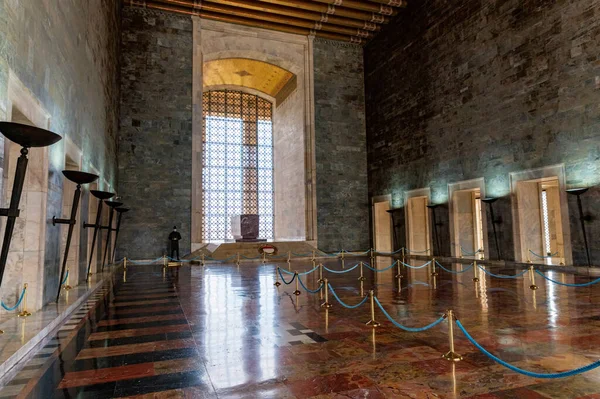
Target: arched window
column 237, row 175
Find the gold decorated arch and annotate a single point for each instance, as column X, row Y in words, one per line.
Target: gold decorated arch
column 261, row 76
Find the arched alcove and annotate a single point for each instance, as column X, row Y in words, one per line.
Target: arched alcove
column 276, row 66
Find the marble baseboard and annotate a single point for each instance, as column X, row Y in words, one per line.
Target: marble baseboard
column 21, row 335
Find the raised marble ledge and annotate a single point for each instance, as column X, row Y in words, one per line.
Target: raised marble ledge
column 21, row 335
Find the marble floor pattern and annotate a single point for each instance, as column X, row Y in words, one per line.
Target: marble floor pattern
column 226, row 332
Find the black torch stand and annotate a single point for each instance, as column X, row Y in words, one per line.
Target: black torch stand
column 120, row 212
column 490, row 201
column 112, row 205
column 26, row 136
column 101, row 195
column 578, row 192
column 436, row 237
column 79, row 178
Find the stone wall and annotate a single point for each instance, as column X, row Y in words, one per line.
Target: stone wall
column 342, row 197
column 457, row 91
column 155, row 142
column 62, row 57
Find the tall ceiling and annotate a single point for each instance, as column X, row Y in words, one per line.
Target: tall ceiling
column 354, row 21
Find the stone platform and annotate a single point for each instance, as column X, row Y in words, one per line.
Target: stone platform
column 252, row 249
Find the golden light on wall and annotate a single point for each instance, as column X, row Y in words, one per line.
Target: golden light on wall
column 253, row 74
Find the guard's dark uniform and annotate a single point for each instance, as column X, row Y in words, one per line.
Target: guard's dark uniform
column 174, row 237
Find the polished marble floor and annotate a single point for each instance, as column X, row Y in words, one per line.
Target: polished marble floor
column 227, row 332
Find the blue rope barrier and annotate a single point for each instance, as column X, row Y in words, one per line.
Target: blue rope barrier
column 502, row 275
column 141, row 262
column 409, row 329
column 250, row 258
column 16, row 304
column 416, row 252
column 468, row 253
column 345, row 304
column 302, row 255
column 381, row 270
column 287, row 271
column 281, row 275
column 388, row 253
column 306, row 288
column 569, row 373
column 309, row 272
column 341, row 271
column 569, row 284
column 455, row 271
column 543, row 257
column 65, row 279
column 416, row 267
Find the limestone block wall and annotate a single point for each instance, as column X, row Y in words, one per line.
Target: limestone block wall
column 155, row 142
column 58, row 70
column 458, row 91
column 340, row 136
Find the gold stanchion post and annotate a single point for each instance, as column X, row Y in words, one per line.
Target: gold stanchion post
column 313, row 259
column 320, row 280
column 24, row 312
column 297, row 291
column 475, row 271
column 125, row 263
column 343, row 263
column 264, row 257
column 460, row 251
column 403, row 254
column 372, row 322
column 326, row 304
column 202, row 260
column 362, row 277
column 532, row 278
column 528, row 257
column 277, row 283
column 237, row 260
column 125, row 275
column 164, row 261
column 451, row 355
column 433, row 271
column 398, row 267
column 362, row 289
column 289, row 261
column 372, row 258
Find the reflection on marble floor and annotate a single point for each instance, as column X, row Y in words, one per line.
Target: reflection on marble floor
column 227, row 332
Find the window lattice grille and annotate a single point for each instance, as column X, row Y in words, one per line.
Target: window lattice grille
column 237, row 174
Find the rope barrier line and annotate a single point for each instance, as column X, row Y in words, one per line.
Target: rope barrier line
column 380, row 270
column 10, row 309
column 469, row 253
column 286, row 271
column 569, row 373
column 416, row 267
column 543, row 257
column 416, row 252
column 409, row 329
column 345, row 304
column 282, row 278
column 503, row 275
column 306, row 288
column 569, row 284
column 454, row 271
column 308, row 272
column 388, row 253
column 341, row 271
